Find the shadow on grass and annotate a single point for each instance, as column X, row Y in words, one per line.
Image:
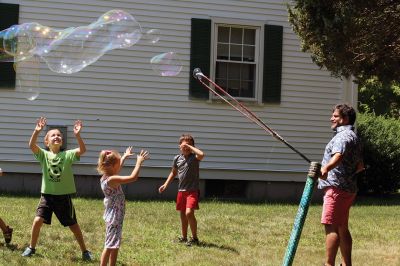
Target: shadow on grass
column 204, row 244
column 381, row 200
column 11, row 247
column 81, row 261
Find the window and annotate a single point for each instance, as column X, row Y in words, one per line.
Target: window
column 9, row 14
column 245, row 60
column 235, row 64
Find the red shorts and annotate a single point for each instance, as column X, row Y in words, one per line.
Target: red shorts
column 187, row 199
column 336, row 206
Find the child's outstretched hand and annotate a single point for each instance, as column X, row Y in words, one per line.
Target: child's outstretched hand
column 144, row 155
column 77, row 127
column 40, row 124
column 128, row 151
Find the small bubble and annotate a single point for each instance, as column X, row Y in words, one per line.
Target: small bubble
column 152, row 36
column 166, row 64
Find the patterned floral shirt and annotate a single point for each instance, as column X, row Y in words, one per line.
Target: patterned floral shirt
column 114, row 202
column 345, row 142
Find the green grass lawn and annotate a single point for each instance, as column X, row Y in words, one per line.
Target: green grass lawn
column 232, row 233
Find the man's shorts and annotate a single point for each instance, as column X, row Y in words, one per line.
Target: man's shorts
column 187, row 199
column 336, row 207
column 62, row 207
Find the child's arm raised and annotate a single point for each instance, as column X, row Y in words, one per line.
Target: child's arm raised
column 199, row 153
column 128, row 153
column 77, row 131
column 171, row 176
column 40, row 124
column 116, row 180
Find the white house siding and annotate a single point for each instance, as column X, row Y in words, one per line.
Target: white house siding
column 123, row 102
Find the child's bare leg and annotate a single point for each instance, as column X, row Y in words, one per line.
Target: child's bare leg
column 192, row 221
column 184, row 224
column 3, row 226
column 113, row 256
column 78, row 235
column 105, row 256
column 36, row 226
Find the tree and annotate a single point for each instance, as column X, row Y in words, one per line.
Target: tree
column 352, row 37
column 379, row 99
column 380, row 138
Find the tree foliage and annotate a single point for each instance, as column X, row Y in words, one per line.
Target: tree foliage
column 379, row 98
column 352, row 37
column 380, row 137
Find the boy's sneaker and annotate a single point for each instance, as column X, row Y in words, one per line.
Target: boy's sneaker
column 192, row 241
column 8, row 235
column 87, row 255
column 28, row 252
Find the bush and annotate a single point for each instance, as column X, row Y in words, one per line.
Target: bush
column 380, row 137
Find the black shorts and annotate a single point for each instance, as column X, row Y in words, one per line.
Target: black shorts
column 62, row 207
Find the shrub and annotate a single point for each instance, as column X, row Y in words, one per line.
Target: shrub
column 380, row 137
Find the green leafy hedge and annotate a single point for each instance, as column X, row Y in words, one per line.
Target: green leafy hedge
column 381, row 143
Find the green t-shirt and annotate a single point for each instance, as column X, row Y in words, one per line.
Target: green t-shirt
column 57, row 178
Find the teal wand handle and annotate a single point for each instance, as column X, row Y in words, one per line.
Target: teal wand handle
column 313, row 174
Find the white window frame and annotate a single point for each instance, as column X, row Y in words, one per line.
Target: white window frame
column 258, row 53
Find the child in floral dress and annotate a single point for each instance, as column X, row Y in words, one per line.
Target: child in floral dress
column 109, row 165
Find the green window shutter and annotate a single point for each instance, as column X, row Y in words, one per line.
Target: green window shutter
column 9, row 14
column 200, row 52
column 272, row 64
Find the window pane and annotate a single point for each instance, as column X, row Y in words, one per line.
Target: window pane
column 234, row 87
column 247, row 89
column 249, row 36
column 223, row 34
column 247, row 72
column 234, row 71
column 236, row 52
column 248, row 53
column 222, row 70
column 222, row 83
column 236, row 35
column 223, row 51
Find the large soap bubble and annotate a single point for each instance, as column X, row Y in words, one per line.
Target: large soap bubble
column 70, row 50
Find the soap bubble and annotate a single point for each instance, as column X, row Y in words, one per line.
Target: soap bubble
column 29, row 94
column 70, row 50
column 166, row 64
column 27, row 78
column 152, row 36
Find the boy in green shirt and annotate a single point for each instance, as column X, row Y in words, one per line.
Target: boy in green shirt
column 57, row 184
